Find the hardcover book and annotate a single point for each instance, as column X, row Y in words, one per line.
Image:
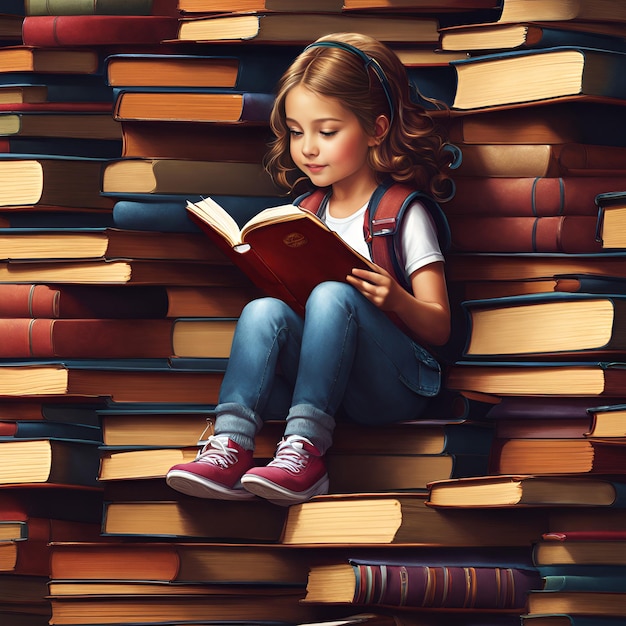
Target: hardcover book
column 275, row 243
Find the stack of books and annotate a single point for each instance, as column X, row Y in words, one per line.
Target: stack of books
column 102, row 247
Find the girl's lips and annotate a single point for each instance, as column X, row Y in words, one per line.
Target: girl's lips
column 314, row 168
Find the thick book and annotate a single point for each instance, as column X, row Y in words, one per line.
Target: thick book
column 273, row 245
column 43, row 180
column 168, row 213
column 121, row 272
column 550, row 378
column 179, row 562
column 43, row 338
column 514, row 77
column 193, row 518
column 226, row 605
column 523, row 35
column 557, row 456
column 125, row 380
column 469, row 588
column 27, row 58
column 191, row 105
column 532, row 266
column 401, row 518
column 571, row 234
column 553, row 121
column 190, row 140
column 544, row 160
column 610, row 231
column 526, row 490
column 181, row 176
column 554, row 10
column 61, row 146
column 550, row 324
column 573, row 582
column 602, row 603
column 302, row 28
column 59, row 461
column 43, row 86
column 38, row 428
column 105, row 243
column 100, row 7
column 57, row 31
column 254, row 71
column 531, row 196
column 366, row 473
column 59, row 124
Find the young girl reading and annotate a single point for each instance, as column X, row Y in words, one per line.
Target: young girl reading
column 344, row 119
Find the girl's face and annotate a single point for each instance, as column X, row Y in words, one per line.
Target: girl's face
column 327, row 141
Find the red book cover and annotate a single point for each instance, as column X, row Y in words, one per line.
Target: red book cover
column 572, row 234
column 86, row 338
column 531, row 197
column 92, row 30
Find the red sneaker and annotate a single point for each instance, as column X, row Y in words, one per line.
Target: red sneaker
column 296, row 474
column 215, row 473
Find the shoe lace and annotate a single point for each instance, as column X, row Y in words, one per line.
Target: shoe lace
column 217, row 452
column 291, row 455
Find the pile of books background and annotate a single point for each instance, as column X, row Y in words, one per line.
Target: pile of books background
column 503, row 506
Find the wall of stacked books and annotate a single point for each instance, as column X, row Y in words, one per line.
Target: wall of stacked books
column 503, row 506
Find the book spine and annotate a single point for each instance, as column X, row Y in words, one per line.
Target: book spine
column 493, row 233
column 531, row 197
column 53, row 31
column 443, row 587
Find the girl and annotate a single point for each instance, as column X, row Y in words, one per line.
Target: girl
column 344, row 119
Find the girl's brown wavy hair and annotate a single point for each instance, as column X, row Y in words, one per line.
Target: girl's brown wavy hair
column 413, row 151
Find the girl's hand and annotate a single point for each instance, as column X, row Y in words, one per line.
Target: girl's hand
column 378, row 287
column 426, row 314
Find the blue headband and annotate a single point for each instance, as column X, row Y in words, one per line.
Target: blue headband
column 368, row 62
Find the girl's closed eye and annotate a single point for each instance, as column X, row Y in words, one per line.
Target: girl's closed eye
column 328, row 133
column 294, row 132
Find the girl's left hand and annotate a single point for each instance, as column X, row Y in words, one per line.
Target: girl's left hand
column 378, row 287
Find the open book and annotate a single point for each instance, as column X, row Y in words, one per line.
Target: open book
column 284, row 250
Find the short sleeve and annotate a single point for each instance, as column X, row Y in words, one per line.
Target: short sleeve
column 420, row 245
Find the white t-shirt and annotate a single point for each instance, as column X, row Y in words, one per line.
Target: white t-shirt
column 418, row 236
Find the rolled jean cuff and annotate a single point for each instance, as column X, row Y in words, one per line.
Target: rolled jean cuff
column 307, row 421
column 238, row 422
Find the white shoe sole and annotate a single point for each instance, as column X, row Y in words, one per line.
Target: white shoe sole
column 199, row 487
column 276, row 494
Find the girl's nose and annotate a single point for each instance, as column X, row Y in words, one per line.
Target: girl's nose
column 309, row 145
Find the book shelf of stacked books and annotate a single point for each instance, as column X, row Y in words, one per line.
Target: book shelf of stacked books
column 503, row 506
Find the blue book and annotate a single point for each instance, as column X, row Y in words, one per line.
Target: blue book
column 564, row 619
column 36, row 429
column 63, row 146
column 256, row 70
column 573, row 582
column 55, row 219
column 169, row 213
column 63, row 87
column 189, row 104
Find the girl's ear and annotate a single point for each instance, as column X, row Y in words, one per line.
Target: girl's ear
column 381, row 128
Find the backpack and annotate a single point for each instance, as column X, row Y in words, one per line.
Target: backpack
column 382, row 221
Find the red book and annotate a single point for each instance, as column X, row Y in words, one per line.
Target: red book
column 91, row 30
column 421, row 586
column 43, row 338
column 532, row 197
column 573, row 234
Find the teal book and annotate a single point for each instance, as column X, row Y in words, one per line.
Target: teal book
column 33, row 429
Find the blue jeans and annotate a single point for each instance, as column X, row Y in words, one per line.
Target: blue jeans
column 345, row 353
